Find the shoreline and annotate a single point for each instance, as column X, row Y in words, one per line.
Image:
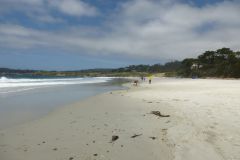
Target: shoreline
column 123, row 87
column 21, row 107
column 202, row 125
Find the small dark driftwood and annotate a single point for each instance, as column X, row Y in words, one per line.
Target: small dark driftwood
column 136, row 135
column 157, row 113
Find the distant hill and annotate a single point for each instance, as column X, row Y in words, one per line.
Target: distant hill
column 132, row 70
column 220, row 63
column 8, row 70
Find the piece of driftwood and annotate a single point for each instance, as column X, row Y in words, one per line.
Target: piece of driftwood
column 136, row 135
column 157, row 113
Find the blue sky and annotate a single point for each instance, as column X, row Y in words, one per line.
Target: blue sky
column 81, row 34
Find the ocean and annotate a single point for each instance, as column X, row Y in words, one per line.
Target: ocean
column 25, row 99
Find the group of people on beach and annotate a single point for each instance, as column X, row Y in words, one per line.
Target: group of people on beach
column 149, row 79
column 143, row 80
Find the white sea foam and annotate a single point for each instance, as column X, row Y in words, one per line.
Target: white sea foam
column 19, row 84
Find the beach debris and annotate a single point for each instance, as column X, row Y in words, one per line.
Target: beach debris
column 121, row 145
column 114, row 138
column 55, row 149
column 149, row 102
column 158, row 113
column 93, row 141
column 136, row 135
column 71, row 158
column 43, row 142
column 153, row 138
column 95, row 154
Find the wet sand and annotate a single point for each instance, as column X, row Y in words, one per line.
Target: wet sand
column 203, row 124
column 27, row 105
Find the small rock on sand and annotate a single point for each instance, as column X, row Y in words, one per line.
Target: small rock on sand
column 114, row 138
column 153, row 138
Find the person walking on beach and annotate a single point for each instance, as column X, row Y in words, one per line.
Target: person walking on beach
column 135, row 82
column 150, row 79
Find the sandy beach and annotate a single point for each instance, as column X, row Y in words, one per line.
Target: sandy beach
column 199, row 121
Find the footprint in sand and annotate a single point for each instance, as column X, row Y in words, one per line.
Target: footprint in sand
column 164, row 131
column 106, row 125
column 25, row 148
column 3, row 145
column 73, row 122
column 168, row 121
column 212, row 127
column 55, row 149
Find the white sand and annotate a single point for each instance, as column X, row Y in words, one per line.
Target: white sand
column 204, row 124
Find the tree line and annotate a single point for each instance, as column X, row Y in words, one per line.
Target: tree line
column 223, row 63
column 220, row 63
column 156, row 68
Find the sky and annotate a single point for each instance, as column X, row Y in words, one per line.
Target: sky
column 83, row 34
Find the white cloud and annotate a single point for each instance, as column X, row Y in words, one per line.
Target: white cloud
column 144, row 28
column 74, row 7
column 40, row 10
